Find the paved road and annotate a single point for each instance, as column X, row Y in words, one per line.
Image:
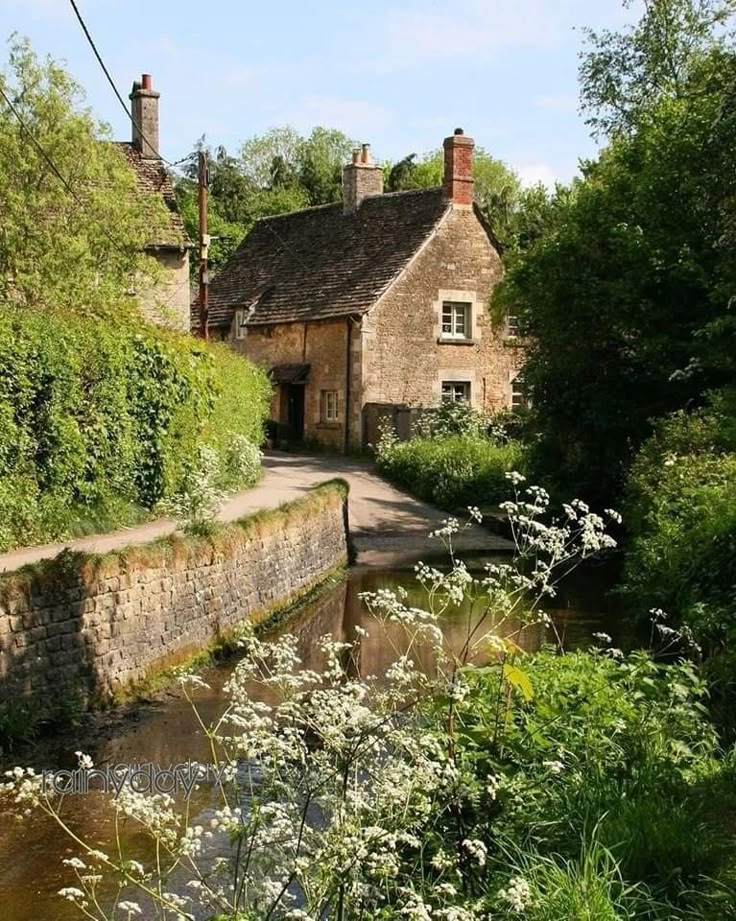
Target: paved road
column 382, row 519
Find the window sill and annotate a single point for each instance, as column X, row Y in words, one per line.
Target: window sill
column 329, row 425
column 445, row 340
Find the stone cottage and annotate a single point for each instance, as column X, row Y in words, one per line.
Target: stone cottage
column 370, row 305
column 167, row 302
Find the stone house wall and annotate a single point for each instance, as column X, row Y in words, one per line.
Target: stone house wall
column 403, row 360
column 95, row 625
column 323, row 346
column 167, row 303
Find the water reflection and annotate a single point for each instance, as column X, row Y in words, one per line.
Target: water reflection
column 31, row 850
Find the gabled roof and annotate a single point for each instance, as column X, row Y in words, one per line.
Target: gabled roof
column 153, row 178
column 321, row 263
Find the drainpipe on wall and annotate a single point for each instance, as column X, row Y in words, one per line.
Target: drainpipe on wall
column 348, row 369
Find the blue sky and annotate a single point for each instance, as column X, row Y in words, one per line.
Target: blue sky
column 400, row 74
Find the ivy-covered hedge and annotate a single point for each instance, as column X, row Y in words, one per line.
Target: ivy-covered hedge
column 98, row 420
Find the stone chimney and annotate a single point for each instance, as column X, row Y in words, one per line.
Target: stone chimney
column 458, row 181
column 360, row 179
column 144, row 109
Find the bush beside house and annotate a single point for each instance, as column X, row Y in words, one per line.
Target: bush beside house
column 451, row 471
column 99, row 421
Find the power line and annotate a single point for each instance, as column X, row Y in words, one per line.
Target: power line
column 115, row 89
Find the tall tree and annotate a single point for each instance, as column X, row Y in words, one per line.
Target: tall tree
column 626, row 293
column 624, row 75
column 73, row 221
column 274, row 173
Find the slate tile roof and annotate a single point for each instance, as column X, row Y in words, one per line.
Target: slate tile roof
column 153, row 177
column 320, row 263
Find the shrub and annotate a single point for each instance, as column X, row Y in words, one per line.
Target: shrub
column 97, row 424
column 681, row 508
column 453, row 470
column 452, row 418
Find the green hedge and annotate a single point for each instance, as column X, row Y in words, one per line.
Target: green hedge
column 452, row 471
column 97, row 421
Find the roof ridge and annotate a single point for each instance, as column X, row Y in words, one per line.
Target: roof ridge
column 333, row 204
column 421, row 191
column 308, row 210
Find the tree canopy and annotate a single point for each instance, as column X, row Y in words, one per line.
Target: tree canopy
column 626, row 293
column 273, row 173
column 498, row 190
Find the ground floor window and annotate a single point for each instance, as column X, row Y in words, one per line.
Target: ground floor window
column 329, row 409
column 455, row 391
column 519, row 398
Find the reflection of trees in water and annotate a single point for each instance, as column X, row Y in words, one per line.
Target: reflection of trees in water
column 385, row 642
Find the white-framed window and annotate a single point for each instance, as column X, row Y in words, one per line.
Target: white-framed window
column 455, row 391
column 241, row 329
column 512, row 326
column 456, row 320
column 519, row 394
column 329, row 406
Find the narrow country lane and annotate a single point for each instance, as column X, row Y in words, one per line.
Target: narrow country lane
column 382, row 518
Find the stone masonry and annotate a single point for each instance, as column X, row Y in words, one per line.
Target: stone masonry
column 95, row 626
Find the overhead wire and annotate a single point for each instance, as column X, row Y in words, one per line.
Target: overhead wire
column 115, row 90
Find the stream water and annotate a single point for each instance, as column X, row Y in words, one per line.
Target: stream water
column 31, row 849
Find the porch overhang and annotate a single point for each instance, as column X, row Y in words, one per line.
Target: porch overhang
column 289, row 374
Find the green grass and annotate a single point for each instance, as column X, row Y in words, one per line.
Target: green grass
column 587, row 888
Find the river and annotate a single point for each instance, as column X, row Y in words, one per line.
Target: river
column 165, row 733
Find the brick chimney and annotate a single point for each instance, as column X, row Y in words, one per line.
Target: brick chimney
column 458, row 181
column 144, row 109
column 360, row 179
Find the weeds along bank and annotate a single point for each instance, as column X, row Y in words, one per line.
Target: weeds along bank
column 82, row 629
column 100, row 422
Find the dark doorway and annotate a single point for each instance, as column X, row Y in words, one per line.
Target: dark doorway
column 294, row 411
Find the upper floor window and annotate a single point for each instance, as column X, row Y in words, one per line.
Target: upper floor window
column 329, row 406
column 512, row 324
column 456, row 320
column 455, row 391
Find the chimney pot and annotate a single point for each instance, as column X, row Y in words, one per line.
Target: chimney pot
column 146, row 82
column 458, row 176
column 365, row 153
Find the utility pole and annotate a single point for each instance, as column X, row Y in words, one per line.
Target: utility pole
column 204, row 243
